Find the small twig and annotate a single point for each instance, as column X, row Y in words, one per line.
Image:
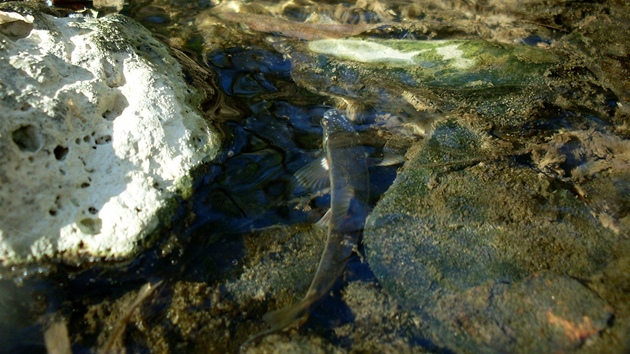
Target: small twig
column 143, row 293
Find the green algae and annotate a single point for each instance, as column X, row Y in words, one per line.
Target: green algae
column 416, row 80
column 473, row 64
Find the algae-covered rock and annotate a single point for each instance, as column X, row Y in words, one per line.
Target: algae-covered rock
column 455, row 64
column 411, row 81
column 98, row 131
column 466, row 217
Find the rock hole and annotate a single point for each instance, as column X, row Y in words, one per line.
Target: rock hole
column 87, row 138
column 77, row 141
column 90, row 226
column 108, row 115
column 117, row 107
column 85, row 185
column 60, row 152
column 573, row 153
column 92, row 210
column 52, row 212
column 103, row 139
column 114, row 72
column 26, row 138
column 200, row 140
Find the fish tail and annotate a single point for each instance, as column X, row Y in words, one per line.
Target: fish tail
column 280, row 319
column 287, row 316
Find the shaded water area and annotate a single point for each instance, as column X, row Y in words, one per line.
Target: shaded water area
column 504, row 230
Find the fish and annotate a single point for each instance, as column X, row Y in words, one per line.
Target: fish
column 349, row 191
column 293, row 29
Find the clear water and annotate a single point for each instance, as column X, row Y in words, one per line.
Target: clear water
column 271, row 128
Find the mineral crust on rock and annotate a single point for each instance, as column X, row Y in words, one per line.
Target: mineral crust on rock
column 98, row 132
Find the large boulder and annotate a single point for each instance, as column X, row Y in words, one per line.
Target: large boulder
column 98, row 132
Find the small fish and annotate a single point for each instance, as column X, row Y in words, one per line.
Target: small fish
column 301, row 30
column 349, row 189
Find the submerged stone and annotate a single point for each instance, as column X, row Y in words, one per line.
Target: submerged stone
column 445, row 63
column 407, row 83
column 545, row 312
column 465, row 217
column 98, row 132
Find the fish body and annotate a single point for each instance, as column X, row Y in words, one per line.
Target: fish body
column 349, row 189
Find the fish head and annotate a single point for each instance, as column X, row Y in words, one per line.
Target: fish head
column 335, row 122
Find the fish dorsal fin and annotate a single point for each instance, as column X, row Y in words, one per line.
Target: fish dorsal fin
column 314, row 175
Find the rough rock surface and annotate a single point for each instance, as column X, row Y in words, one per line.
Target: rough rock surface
column 97, row 133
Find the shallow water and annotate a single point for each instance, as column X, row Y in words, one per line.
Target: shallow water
column 248, row 215
column 249, row 187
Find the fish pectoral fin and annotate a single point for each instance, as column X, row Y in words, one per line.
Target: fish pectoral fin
column 388, row 159
column 314, row 175
column 391, row 158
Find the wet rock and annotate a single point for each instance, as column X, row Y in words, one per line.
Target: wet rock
column 546, row 312
column 188, row 314
column 408, row 83
column 98, row 133
column 462, row 234
column 598, row 164
column 471, row 64
column 275, row 271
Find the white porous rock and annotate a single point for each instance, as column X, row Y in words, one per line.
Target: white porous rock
column 98, row 134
